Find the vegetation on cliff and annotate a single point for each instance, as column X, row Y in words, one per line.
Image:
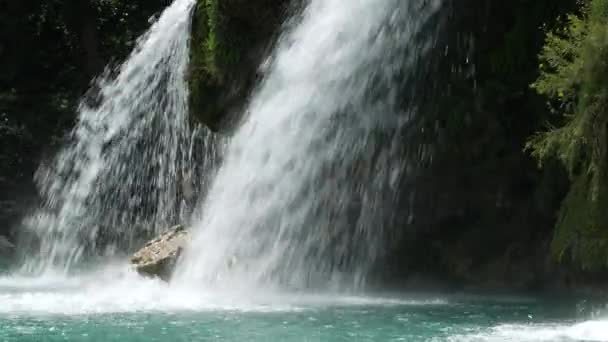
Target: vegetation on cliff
column 481, row 211
column 229, row 40
column 574, row 77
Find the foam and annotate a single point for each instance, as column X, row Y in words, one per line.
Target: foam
column 118, row 289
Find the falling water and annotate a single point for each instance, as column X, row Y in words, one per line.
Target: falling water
column 310, row 176
column 125, row 169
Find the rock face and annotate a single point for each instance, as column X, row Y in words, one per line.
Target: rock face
column 230, row 39
column 159, row 256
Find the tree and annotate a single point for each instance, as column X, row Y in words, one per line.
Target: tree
column 574, row 74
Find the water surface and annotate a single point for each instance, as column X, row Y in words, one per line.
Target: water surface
column 115, row 306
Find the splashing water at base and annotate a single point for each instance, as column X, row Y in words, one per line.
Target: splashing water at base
column 310, row 176
column 587, row 331
column 119, row 177
column 114, row 304
column 118, row 289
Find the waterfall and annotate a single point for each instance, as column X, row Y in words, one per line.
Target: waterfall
column 129, row 157
column 310, row 177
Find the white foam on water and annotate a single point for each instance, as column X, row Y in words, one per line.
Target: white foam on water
column 118, row 289
column 593, row 330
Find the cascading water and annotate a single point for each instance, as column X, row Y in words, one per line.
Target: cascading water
column 122, row 173
column 310, row 176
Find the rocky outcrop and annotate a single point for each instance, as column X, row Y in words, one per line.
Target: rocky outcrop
column 159, row 256
column 230, row 38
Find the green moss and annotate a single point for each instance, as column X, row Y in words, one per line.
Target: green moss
column 582, row 234
column 212, row 41
column 574, row 76
column 211, row 58
column 223, row 31
column 206, row 39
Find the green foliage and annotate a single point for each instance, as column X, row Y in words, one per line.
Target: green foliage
column 574, row 76
column 228, row 37
column 206, row 73
column 562, row 61
column 581, row 230
column 207, row 32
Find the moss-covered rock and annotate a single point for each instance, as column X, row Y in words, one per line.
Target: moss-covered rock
column 229, row 40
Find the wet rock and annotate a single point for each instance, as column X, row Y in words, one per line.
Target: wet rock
column 159, row 256
column 6, row 247
column 229, row 42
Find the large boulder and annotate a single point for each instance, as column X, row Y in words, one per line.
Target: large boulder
column 159, row 256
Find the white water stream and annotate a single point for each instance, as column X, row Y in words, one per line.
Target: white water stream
column 310, row 177
column 123, row 173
